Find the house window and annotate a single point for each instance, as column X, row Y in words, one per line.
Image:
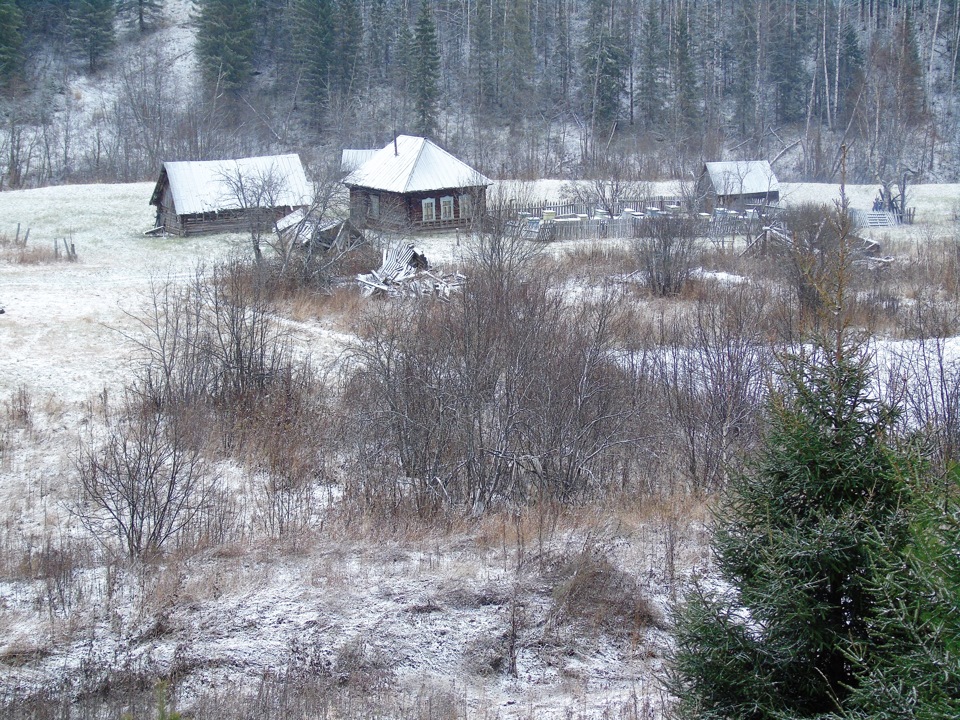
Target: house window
column 446, row 208
column 466, row 206
column 374, row 206
column 429, row 209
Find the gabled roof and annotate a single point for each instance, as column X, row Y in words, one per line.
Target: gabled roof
column 212, row 185
column 742, row 177
column 414, row 165
column 352, row 158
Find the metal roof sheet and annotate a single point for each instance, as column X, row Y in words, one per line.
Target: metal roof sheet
column 742, row 177
column 352, row 158
column 414, row 164
column 213, row 185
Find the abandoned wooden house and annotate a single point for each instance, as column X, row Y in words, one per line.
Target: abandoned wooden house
column 414, row 184
column 738, row 184
column 228, row 195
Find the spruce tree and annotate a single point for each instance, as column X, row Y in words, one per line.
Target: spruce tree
column 348, row 41
column 92, row 25
column 687, row 117
column 916, row 674
column 483, row 64
column 315, row 27
column 426, row 80
column 144, row 12
column 796, row 545
column 11, row 42
column 652, row 55
column 225, row 42
column 603, row 62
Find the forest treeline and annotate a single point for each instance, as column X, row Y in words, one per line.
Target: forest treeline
column 525, row 88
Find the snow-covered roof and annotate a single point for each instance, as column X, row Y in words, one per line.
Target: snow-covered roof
column 742, row 177
column 415, row 164
column 212, row 185
column 352, row 158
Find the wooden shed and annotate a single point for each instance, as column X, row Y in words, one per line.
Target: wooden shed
column 738, row 184
column 412, row 183
column 228, row 195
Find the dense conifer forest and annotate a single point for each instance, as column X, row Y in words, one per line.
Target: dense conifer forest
column 532, row 88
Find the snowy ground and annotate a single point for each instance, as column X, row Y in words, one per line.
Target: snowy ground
column 413, row 609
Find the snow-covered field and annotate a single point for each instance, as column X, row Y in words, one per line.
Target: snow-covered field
column 417, row 611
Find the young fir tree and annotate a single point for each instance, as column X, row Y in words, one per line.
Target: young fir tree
column 799, row 541
column 916, row 673
column 11, row 42
column 426, row 76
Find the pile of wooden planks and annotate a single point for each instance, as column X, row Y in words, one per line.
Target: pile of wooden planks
column 405, row 272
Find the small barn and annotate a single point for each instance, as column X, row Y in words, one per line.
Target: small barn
column 737, row 184
column 227, row 195
column 412, row 183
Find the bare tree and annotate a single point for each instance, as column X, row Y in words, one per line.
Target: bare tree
column 146, row 485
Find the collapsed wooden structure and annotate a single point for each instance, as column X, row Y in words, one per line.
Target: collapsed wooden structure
column 405, row 272
column 228, row 195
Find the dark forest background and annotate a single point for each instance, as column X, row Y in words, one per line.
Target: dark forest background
column 523, row 88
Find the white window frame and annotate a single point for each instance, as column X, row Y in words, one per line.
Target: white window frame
column 431, row 205
column 374, row 210
column 466, row 207
column 446, row 207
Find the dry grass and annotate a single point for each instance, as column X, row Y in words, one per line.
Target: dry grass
column 18, row 251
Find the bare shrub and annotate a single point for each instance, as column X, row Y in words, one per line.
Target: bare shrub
column 666, row 249
column 218, row 364
column 713, row 369
column 589, row 589
column 145, row 485
column 923, row 376
column 504, row 393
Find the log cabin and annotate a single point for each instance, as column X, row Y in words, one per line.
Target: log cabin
column 738, row 184
column 228, row 195
column 413, row 184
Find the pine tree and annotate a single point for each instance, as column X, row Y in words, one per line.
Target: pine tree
column 11, row 42
column 796, row 542
column 744, row 85
column 92, row 25
column 785, row 74
column 426, row 79
column 225, row 42
column 379, row 43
